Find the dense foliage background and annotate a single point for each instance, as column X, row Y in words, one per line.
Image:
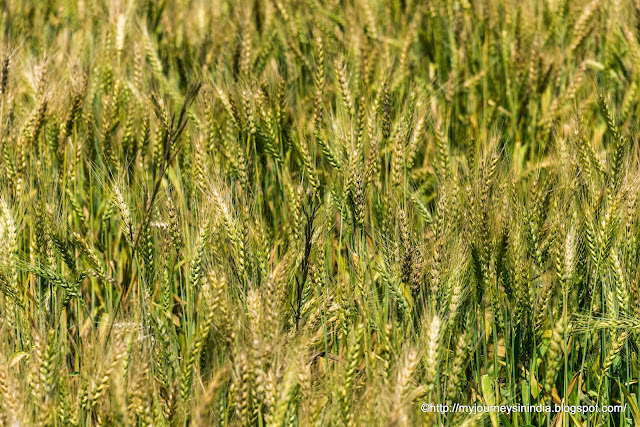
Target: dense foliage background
column 318, row 212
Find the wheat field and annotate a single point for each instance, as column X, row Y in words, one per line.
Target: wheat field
column 319, row 212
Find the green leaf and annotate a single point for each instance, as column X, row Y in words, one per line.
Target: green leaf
column 16, row 357
column 489, row 397
column 635, row 413
column 505, row 421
